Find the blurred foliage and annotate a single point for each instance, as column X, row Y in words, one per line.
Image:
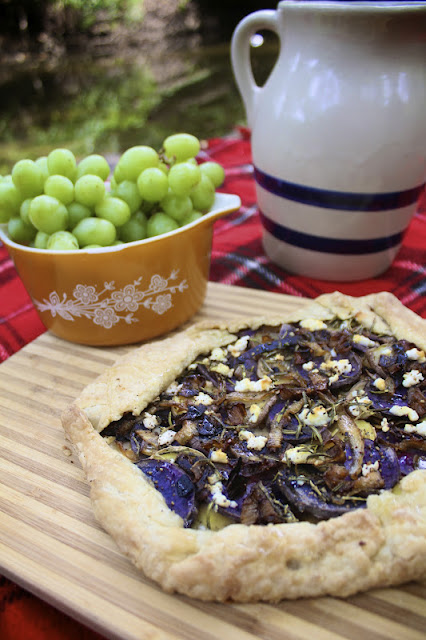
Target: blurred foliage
column 30, row 17
column 88, row 107
column 108, row 104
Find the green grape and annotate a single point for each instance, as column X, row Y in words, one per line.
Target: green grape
column 95, row 231
column 118, row 175
column 10, row 200
column 128, row 192
column 160, row 223
column 203, row 194
column 62, row 162
column 177, row 207
column 164, row 167
column 192, row 217
column 95, row 165
column 113, row 209
column 27, row 178
column 24, row 211
column 20, row 232
column 183, row 177
column 93, row 246
column 40, row 241
column 116, row 243
column 89, row 190
column 190, row 161
column 134, row 161
column 153, row 184
column 42, row 165
column 134, row 229
column 48, row 214
column 181, row 146
column 60, row 188
column 214, row 171
column 77, row 212
column 62, row 241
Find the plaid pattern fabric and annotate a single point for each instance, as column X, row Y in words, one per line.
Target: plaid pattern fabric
column 237, row 259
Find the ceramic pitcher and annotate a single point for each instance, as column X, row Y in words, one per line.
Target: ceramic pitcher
column 338, row 132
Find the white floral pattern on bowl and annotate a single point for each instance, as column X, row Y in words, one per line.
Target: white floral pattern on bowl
column 104, row 307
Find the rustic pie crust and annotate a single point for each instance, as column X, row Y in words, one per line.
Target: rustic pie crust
column 379, row 545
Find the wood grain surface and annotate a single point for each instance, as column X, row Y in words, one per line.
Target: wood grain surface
column 51, row 544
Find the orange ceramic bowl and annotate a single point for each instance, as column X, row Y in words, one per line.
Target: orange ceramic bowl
column 126, row 293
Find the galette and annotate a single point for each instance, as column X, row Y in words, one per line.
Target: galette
column 266, row 458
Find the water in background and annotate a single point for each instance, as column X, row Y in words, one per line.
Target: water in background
column 110, row 103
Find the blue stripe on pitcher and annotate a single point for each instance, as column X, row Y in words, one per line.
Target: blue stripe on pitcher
column 330, row 245
column 343, row 200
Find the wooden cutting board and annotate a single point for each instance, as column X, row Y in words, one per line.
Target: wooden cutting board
column 51, row 544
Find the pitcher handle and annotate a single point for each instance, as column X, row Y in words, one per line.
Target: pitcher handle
column 240, row 56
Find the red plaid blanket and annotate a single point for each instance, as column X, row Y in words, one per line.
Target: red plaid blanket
column 237, row 259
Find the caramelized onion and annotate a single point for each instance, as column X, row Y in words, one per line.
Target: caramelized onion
column 348, row 428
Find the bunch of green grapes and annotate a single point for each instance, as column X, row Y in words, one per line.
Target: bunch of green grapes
column 59, row 204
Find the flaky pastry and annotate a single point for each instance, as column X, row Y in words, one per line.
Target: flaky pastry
column 283, row 552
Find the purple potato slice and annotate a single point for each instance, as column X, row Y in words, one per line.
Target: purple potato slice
column 383, row 402
column 353, row 376
column 412, row 460
column 294, row 433
column 308, row 499
column 175, row 486
column 389, row 466
column 266, row 347
column 397, row 360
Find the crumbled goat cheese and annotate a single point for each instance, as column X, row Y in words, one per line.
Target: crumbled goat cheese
column 416, row 354
column 218, row 354
column 254, row 412
column 338, row 367
column 202, row 398
column 166, row 437
column 312, row 324
column 397, row 410
column 385, row 425
column 297, row 455
column 218, row 497
column 223, row 369
column 173, row 388
column 264, row 384
column 419, row 428
column 410, row 378
column 316, row 417
column 239, row 346
column 364, row 341
column 354, row 410
column 308, row 366
column 359, row 401
column 252, row 441
column 380, row 384
column 368, row 467
column 149, row 420
column 217, row 455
